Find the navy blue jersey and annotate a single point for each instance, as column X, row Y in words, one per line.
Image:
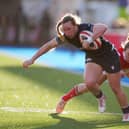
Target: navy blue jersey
column 106, row 55
column 76, row 40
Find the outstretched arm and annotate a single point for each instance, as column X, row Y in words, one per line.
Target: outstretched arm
column 44, row 49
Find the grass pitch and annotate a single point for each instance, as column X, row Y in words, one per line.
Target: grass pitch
column 28, row 99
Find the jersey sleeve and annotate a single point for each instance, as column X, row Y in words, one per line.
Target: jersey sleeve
column 89, row 27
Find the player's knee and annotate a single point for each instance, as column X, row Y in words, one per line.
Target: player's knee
column 81, row 88
column 91, row 84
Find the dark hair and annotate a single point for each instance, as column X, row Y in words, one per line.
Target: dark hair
column 125, row 45
column 75, row 20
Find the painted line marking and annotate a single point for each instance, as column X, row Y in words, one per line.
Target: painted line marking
column 22, row 109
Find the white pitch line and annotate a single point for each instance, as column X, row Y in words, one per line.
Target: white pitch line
column 22, row 109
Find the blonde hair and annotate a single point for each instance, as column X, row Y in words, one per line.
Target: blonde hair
column 76, row 20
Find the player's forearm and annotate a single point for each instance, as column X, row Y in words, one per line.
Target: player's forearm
column 45, row 48
column 99, row 30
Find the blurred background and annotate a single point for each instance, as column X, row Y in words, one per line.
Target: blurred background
column 28, row 97
column 32, row 22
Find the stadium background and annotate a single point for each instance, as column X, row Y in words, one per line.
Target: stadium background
column 28, row 97
column 31, row 23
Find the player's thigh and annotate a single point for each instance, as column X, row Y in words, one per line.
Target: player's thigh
column 92, row 72
column 102, row 78
column 114, row 80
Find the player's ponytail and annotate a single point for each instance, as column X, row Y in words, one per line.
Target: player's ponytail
column 59, row 33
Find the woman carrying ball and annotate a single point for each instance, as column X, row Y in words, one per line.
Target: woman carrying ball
column 79, row 89
column 100, row 55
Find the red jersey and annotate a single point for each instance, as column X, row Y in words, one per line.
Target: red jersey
column 123, row 63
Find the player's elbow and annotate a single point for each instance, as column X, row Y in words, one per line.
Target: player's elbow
column 100, row 28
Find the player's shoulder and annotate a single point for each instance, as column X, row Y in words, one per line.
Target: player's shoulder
column 86, row 27
column 85, row 30
column 85, row 24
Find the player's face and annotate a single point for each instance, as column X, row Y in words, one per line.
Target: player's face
column 69, row 29
column 127, row 54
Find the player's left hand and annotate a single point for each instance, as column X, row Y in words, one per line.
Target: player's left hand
column 27, row 63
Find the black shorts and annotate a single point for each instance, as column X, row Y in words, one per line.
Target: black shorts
column 108, row 61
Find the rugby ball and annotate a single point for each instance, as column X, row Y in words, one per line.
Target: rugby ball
column 86, row 35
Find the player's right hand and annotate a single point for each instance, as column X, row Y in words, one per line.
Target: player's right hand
column 27, row 63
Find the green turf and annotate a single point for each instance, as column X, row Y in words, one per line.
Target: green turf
column 28, row 98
